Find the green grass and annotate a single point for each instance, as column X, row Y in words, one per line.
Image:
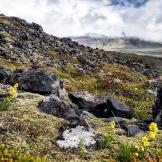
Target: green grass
column 7, row 36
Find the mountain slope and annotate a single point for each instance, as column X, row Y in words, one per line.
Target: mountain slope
column 28, row 45
column 123, row 44
column 34, row 121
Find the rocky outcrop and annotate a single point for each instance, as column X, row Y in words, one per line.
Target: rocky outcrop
column 119, row 109
column 101, row 106
column 157, row 108
column 37, row 81
column 4, row 75
column 60, row 108
column 28, row 44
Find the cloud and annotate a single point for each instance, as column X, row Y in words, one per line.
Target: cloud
column 140, row 18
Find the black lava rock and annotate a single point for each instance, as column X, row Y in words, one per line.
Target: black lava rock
column 131, row 130
column 61, row 109
column 157, row 108
column 38, row 81
column 4, row 75
column 101, row 106
column 119, row 109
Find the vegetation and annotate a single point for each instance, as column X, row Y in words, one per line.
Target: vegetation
column 117, row 80
column 82, row 149
column 12, row 94
column 7, row 155
column 140, row 152
column 108, row 138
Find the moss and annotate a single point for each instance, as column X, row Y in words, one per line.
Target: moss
column 53, row 54
column 9, row 21
column 8, row 36
column 62, row 75
column 142, row 108
column 71, row 69
column 28, row 129
column 68, row 57
column 131, row 88
column 11, row 64
column 31, row 132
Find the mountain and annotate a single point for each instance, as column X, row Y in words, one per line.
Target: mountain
column 128, row 3
column 121, row 44
column 62, row 101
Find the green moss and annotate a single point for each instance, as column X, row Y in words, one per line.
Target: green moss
column 68, row 57
column 70, row 68
column 8, row 36
column 9, row 21
column 9, row 155
column 131, row 88
column 11, row 65
column 62, row 75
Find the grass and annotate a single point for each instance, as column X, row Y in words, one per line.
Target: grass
column 29, row 133
column 11, row 65
column 62, row 75
column 8, row 36
column 130, row 88
column 68, row 57
column 9, row 21
column 29, row 130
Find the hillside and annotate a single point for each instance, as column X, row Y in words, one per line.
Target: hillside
column 123, row 44
column 58, row 99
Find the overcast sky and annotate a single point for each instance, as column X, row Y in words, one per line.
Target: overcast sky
column 139, row 18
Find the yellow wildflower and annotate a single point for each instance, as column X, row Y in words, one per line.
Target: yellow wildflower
column 112, row 125
column 152, row 135
column 145, row 141
column 13, row 91
column 136, row 154
column 137, row 147
column 142, row 148
column 153, row 127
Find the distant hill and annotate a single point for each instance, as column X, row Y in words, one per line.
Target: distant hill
column 121, row 44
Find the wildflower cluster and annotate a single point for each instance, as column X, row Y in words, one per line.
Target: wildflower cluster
column 134, row 152
column 153, row 130
column 7, row 155
column 145, row 141
column 108, row 138
column 12, row 94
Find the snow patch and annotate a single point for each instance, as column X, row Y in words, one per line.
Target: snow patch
column 73, row 136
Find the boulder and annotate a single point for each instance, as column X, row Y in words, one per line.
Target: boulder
column 131, row 130
column 4, row 75
column 119, row 109
column 60, row 108
column 157, row 108
column 101, row 106
column 37, row 81
column 93, row 104
column 117, row 120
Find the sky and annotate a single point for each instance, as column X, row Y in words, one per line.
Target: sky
column 63, row 18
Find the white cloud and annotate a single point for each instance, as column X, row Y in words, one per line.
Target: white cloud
column 77, row 17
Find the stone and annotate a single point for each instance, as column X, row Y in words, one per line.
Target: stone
column 4, row 75
column 62, row 109
column 157, row 108
column 119, row 109
column 131, row 130
column 101, row 106
column 116, row 119
column 37, row 81
column 87, row 101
